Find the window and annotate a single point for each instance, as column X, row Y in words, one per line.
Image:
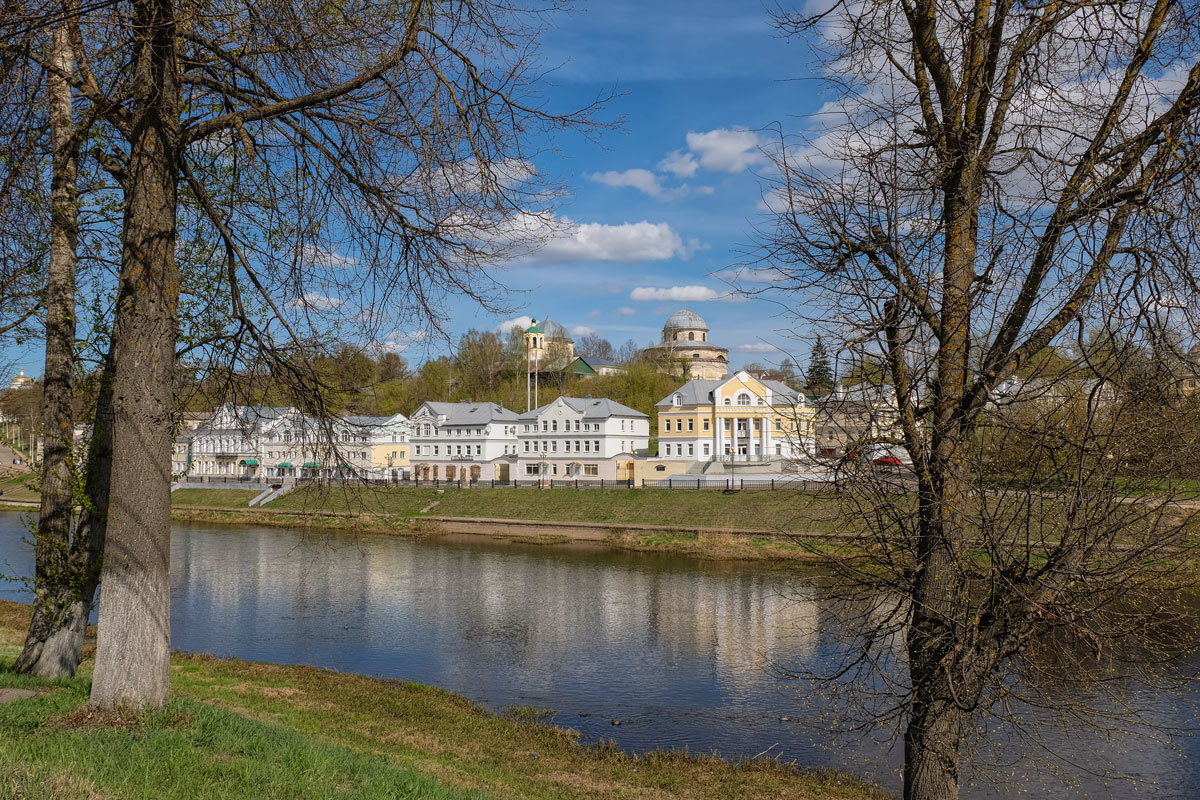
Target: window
column 576, row 424
column 554, row 426
column 435, row 449
column 706, row 448
column 728, row 401
column 591, row 469
column 667, row 425
column 743, row 399
column 576, row 445
column 691, row 424
column 526, row 446
column 695, row 355
column 596, row 444
column 531, row 469
column 554, row 469
column 691, row 449
column 553, row 445
column 706, row 423
column 622, row 426
column 545, row 425
column 479, row 450
column 760, row 402
column 677, row 400
column 691, row 337
column 778, row 449
column 587, row 446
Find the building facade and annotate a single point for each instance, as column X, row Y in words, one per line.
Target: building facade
column 586, row 439
column 390, row 448
column 737, row 419
column 686, row 351
column 463, row 441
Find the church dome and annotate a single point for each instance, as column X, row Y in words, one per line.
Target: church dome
column 685, row 319
column 554, row 331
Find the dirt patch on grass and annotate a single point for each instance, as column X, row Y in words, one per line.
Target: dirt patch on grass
column 20, row 784
column 88, row 718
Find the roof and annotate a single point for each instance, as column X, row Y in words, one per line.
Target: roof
column 470, row 413
column 590, row 407
column 700, row 392
column 684, row 318
column 596, row 361
column 533, row 327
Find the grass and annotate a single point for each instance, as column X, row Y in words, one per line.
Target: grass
column 17, row 487
column 214, row 498
column 794, row 510
column 234, row 729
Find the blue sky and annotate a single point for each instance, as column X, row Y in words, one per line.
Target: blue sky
column 666, row 201
column 679, row 186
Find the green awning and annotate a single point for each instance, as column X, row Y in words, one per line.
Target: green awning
column 344, row 465
column 250, row 462
column 312, row 465
column 285, row 465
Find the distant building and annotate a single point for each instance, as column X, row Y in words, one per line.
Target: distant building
column 390, row 448
column 860, row 421
column 686, row 350
column 736, row 419
column 463, row 441
column 20, row 381
column 587, row 366
column 585, row 439
column 548, row 346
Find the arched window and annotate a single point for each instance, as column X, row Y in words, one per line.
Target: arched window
column 728, row 401
column 691, row 337
column 760, row 402
column 743, row 399
column 677, row 400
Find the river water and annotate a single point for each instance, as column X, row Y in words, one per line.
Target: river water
column 682, row 653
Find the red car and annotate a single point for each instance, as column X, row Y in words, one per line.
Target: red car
column 889, row 461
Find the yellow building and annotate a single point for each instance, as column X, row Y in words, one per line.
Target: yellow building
column 390, row 451
column 738, row 418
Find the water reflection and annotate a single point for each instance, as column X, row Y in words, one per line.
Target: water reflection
column 682, row 653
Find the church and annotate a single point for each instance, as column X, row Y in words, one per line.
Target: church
column 686, row 350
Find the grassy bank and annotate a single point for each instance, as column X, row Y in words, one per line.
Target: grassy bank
column 793, row 510
column 235, row 730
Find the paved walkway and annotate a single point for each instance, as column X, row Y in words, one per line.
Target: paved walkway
column 7, row 457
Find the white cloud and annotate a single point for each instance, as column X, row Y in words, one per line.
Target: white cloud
column 628, row 242
column 754, row 275
column 315, row 301
column 313, row 255
column 679, row 164
column 683, row 294
column 399, row 341
column 522, row 322
column 705, row 189
column 725, row 150
column 584, row 330
column 757, row 347
column 643, row 180
column 627, row 311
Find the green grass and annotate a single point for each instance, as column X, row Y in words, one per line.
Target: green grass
column 17, row 487
column 214, row 498
column 788, row 509
column 239, row 730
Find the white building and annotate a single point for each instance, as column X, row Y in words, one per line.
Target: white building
column 463, row 441
column 228, row 444
column 586, row 438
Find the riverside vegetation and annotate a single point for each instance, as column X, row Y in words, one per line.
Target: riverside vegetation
column 236, row 729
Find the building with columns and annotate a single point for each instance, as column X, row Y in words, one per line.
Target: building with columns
column 738, row 418
column 686, row 350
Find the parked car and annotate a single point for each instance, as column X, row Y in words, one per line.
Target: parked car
column 889, row 461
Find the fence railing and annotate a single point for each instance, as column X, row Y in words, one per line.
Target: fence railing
column 688, row 482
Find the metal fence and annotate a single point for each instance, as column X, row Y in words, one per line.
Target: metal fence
column 694, row 483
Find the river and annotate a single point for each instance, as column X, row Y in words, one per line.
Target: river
column 679, row 652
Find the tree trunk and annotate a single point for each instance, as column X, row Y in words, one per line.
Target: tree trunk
column 54, row 644
column 931, row 741
column 133, row 644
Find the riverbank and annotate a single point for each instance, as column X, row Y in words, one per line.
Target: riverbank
column 757, row 526
column 262, row 730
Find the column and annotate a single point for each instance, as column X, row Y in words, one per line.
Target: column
column 766, row 436
column 719, row 436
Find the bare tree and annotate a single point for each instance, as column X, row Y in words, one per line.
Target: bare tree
column 404, row 134
column 594, row 344
column 990, row 176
